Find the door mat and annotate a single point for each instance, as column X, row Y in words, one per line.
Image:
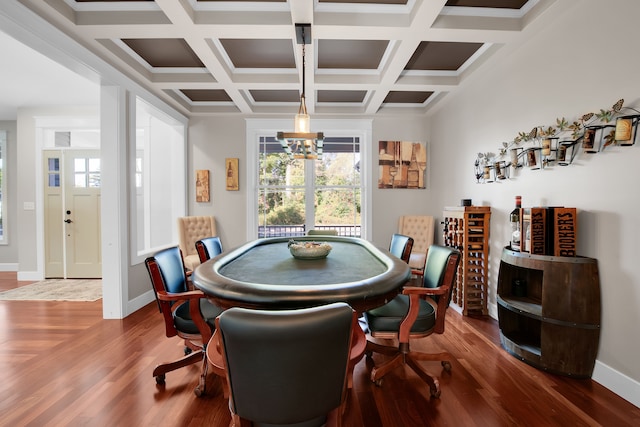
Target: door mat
column 56, row 290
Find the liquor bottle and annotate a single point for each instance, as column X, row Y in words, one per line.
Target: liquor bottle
column 514, row 219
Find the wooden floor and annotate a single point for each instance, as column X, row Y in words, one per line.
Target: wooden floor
column 63, row 365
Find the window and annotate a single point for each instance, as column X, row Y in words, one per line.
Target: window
column 292, row 196
column 158, row 180
column 86, row 172
column 3, row 187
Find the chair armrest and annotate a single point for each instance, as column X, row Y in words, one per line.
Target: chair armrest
column 188, row 273
column 418, row 290
column 181, row 296
column 415, row 293
column 194, row 298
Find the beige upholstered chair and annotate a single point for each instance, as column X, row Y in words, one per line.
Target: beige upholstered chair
column 190, row 230
column 421, row 229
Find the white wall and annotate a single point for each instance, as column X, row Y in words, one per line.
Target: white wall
column 579, row 58
column 390, row 204
column 211, row 140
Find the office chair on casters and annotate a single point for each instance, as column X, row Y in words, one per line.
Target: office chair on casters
column 208, row 248
column 417, row 312
column 286, row 367
column 187, row 313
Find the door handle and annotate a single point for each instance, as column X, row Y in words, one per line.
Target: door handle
column 68, row 221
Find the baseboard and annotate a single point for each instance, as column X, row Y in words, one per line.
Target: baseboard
column 32, row 276
column 617, row 382
column 455, row 307
column 493, row 313
column 139, row 302
column 620, row 384
column 9, row 266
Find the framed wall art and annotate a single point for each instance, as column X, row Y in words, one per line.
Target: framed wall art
column 232, row 174
column 202, row 185
column 402, row 164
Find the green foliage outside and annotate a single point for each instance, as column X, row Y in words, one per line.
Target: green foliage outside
column 285, row 206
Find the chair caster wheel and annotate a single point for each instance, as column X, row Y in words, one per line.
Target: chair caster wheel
column 368, row 354
column 446, row 365
column 435, row 392
column 187, row 351
column 160, row 379
column 378, row 382
column 198, row 392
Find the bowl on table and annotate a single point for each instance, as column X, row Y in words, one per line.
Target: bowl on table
column 309, row 250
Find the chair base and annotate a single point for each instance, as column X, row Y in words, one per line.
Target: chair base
column 409, row 358
column 194, row 353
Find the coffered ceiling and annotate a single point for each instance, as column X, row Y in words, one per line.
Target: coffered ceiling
column 364, row 57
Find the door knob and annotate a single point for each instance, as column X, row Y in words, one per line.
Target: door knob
column 68, row 221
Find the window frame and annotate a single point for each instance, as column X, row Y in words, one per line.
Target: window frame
column 144, row 199
column 255, row 128
column 4, row 238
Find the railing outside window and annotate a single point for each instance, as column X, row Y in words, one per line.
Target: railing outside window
column 300, row 230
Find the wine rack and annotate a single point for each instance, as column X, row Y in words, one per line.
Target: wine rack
column 466, row 228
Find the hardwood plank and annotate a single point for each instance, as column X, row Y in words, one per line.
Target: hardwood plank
column 63, row 365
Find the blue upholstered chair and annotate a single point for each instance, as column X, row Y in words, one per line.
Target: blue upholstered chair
column 286, row 367
column 208, row 248
column 187, row 313
column 401, row 246
column 417, row 312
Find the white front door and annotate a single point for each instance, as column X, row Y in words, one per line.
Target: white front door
column 72, row 212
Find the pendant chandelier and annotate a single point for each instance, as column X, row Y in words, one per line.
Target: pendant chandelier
column 302, row 143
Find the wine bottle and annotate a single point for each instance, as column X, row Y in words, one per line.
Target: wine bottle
column 514, row 219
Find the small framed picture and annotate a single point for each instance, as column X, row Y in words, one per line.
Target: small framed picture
column 202, row 185
column 232, row 174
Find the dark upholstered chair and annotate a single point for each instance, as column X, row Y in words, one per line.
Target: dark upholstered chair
column 286, row 367
column 208, row 248
column 417, row 312
column 401, row 246
column 187, row 313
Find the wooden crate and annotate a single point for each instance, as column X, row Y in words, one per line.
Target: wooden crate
column 534, row 230
column 565, row 232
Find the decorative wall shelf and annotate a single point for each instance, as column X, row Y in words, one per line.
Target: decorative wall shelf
column 559, row 144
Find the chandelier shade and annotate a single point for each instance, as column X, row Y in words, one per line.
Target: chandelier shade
column 302, row 143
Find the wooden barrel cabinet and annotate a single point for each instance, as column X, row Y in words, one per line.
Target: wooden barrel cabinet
column 549, row 311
